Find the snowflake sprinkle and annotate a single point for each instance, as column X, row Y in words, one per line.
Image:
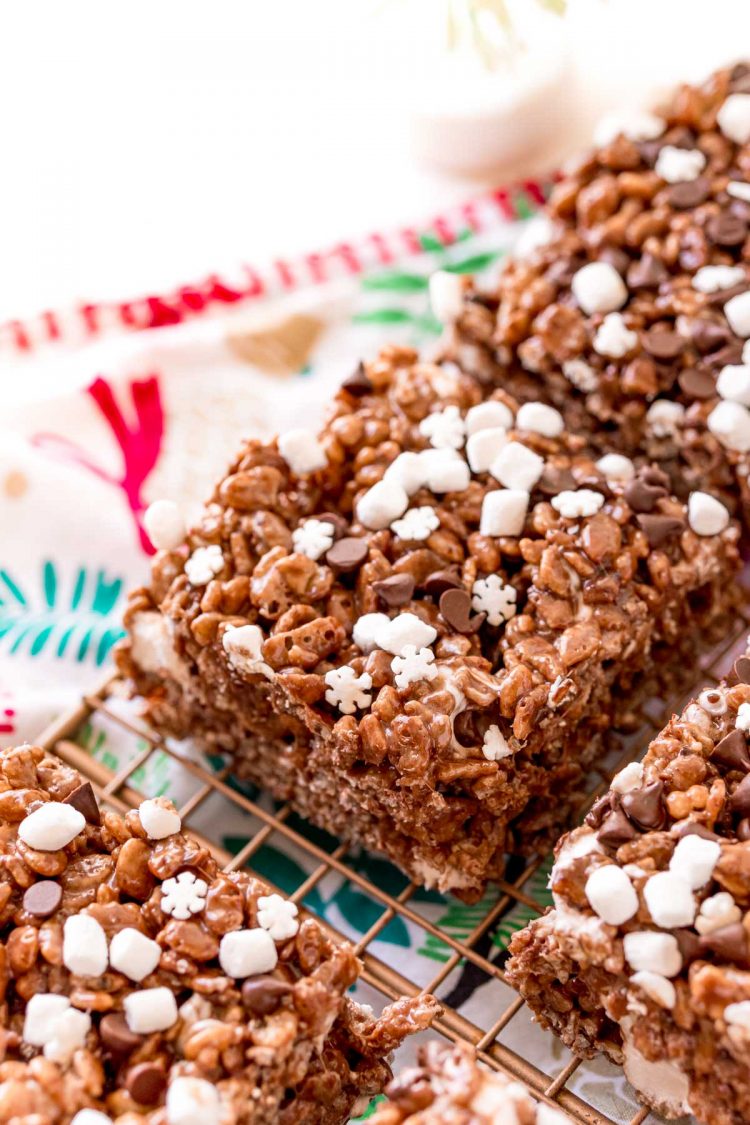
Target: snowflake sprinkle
column 495, row 745
column 347, row 690
column 313, row 538
column 278, row 916
column 493, row 597
column 204, row 564
column 414, row 664
column 183, row 895
column 417, row 523
column 446, row 429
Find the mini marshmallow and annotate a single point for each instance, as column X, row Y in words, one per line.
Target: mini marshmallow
column 302, row 452
column 368, row 629
column 611, row 895
column 490, row 415
column 706, row 514
column 134, row 954
column 406, row 629
column 382, row 504
column 495, row 745
column 694, row 859
column 581, row 375
column 159, row 818
column 738, row 189
column 517, row 467
column 733, row 118
column 656, row 987
column 733, row 383
column 636, row 125
column 742, row 722
column 538, row 418
column 246, row 953
column 84, row 949
column 629, row 778
column 164, row 525
column 665, row 417
column 738, row 1014
column 676, row 165
column 243, row 644
column 613, row 337
column 598, row 288
column 67, row 1034
column 51, row 827
column 91, row 1116
column 577, row 504
column 737, row 312
column 408, row 471
column 41, row 1012
column 646, row 950
column 504, row 512
column 446, row 295
column 150, row 1009
column 204, row 564
column 730, row 423
column 444, row 428
column 616, row 467
column 716, row 912
column 193, row 1101
column 444, row 470
column 712, row 279
column 670, row 900
column 484, row 446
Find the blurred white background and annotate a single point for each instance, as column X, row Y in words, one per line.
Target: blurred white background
column 148, row 143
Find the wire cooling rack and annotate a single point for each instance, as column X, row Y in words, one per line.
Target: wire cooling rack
column 582, row 1089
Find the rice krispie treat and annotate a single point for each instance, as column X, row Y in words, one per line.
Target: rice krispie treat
column 418, row 625
column 631, row 313
column 449, row 1087
column 142, row 984
column 645, row 955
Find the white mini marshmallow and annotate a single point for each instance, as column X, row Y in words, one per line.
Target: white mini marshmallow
column 733, row 118
column 737, row 312
column 653, row 952
column 408, row 471
column 636, row 125
column 734, row 383
column 444, row 470
column 84, row 949
column 490, row 415
column 41, row 1011
column 159, row 818
column 665, row 417
column 406, row 629
column 495, row 745
column 742, row 721
column 629, row 778
column 193, row 1101
column 164, row 525
column 368, row 629
column 538, row 418
column 246, row 953
column 716, row 912
column 134, row 954
column 577, row 504
column 150, row 1009
column 694, row 859
column 730, row 423
column 484, row 446
column 446, row 295
column 382, row 504
column 739, row 190
column 51, row 827
column 302, row 452
column 504, row 512
column 67, row 1034
column 670, row 900
column 611, row 895
column 516, row 466
column 581, row 375
column 738, row 1014
column 615, row 467
column 712, row 279
column 204, row 564
column 91, row 1116
column 676, row 165
column 613, row 337
column 243, row 644
column 706, row 514
column 656, row 987
column 598, row 288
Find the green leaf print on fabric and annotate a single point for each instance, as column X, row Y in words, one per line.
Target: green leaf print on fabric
column 536, row 889
column 69, row 618
column 458, row 921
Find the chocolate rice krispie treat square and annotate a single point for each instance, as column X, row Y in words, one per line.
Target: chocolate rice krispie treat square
column 645, row 955
column 140, row 983
column 627, row 305
column 418, row 626
column 449, row 1087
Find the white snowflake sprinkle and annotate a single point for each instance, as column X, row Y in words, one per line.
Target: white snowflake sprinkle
column 414, row 664
column 446, row 428
column 417, row 523
column 278, row 916
column 347, row 690
column 204, row 564
column 183, row 895
column 313, row 538
column 575, row 505
column 495, row 745
column 493, row 597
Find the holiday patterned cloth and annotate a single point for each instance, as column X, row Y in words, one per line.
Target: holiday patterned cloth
column 111, row 406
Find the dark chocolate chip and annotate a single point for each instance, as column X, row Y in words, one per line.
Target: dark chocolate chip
column 645, row 807
column 358, row 383
column 693, row 828
column 731, row 752
column 741, row 669
column 708, row 336
column 556, row 479
column 84, row 800
column 743, row 829
column 739, row 802
column 616, row 829
column 660, row 529
column 730, row 354
column 117, row 1036
column 726, row 229
column 338, row 523
column 696, row 383
column 646, row 273
column 441, row 580
column 688, row 193
column 42, row 898
column 689, row 945
column 642, row 494
column 596, row 813
column 728, row 942
column 347, row 554
column 614, row 257
column 721, row 296
column 146, row 1083
column 661, row 343
column 262, row 995
column 649, row 151
column 395, row 590
column 455, row 606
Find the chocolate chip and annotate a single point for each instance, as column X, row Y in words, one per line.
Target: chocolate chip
column 661, row 343
column 596, row 813
column 726, row 229
column 730, row 354
column 145, row 1083
column 117, row 1036
column 358, row 383
column 262, row 995
column 42, row 898
column 441, row 580
column 614, row 257
column 84, row 800
column 721, row 296
column 646, row 273
column 395, row 590
column 693, row 828
column 688, row 193
column 743, row 829
column 741, row 669
column 696, row 383
column 728, row 942
column 649, row 151
column 643, row 492
column 739, row 802
column 347, row 554
column 707, row 335
column 660, row 529
column 645, row 807
column 689, row 945
column 337, row 522
column 455, row 606
column 556, row 479
column 616, row 829
column 731, row 752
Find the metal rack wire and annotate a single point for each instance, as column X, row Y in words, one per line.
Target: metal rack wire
column 493, row 1042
